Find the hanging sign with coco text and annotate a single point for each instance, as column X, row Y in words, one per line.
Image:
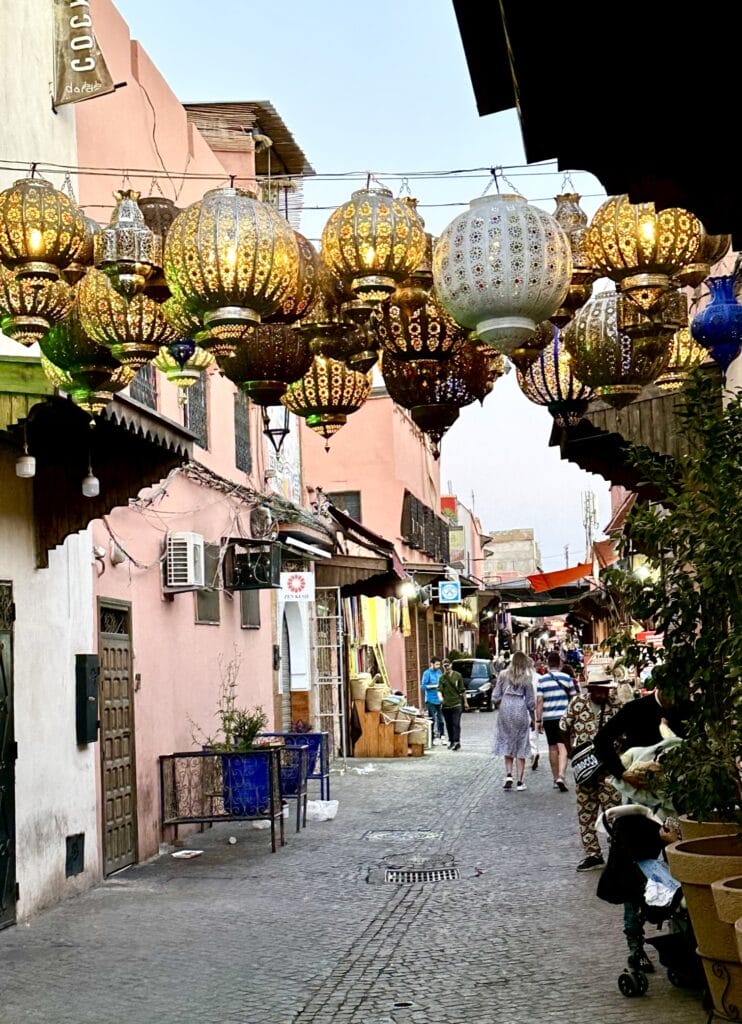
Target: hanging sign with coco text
column 80, row 72
column 297, row 586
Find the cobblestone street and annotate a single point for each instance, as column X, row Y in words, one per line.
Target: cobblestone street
column 313, row 934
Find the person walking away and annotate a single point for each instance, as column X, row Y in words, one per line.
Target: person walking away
column 555, row 689
column 452, row 689
column 533, row 732
column 431, row 696
column 514, row 691
column 586, row 713
column 637, row 723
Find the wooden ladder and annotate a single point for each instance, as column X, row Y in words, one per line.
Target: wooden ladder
column 379, row 654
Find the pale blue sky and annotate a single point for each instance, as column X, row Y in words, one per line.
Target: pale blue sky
column 385, row 88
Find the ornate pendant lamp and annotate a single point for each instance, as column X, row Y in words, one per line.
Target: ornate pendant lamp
column 551, row 382
column 158, row 212
column 232, row 260
column 642, row 250
column 297, row 303
column 616, row 365
column 326, row 395
column 329, row 333
column 573, row 219
column 269, row 358
column 133, row 328
column 183, row 369
column 92, row 402
column 28, row 310
column 42, row 230
column 435, row 390
column 502, row 267
column 83, row 260
column 371, row 243
column 276, row 426
column 718, row 327
column 127, row 250
column 528, row 352
column 685, row 355
column 712, row 249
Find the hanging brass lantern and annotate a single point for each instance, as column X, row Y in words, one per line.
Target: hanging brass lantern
column 372, row 242
column 413, row 324
column 182, row 374
column 269, row 358
column 133, row 328
column 573, row 221
column 615, row 364
column 685, row 355
column 434, row 390
column 528, row 351
column 28, row 309
column 127, row 250
column 42, row 230
column 329, row 333
column 550, row 381
column 158, row 212
column 82, row 262
column 91, row 402
column 640, row 248
column 232, row 260
column 326, row 395
column 712, row 249
column 297, row 303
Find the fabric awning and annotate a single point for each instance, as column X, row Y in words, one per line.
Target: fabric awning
column 367, row 538
column 541, row 611
column 548, row 580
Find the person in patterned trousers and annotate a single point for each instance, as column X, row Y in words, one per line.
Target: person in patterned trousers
column 586, row 713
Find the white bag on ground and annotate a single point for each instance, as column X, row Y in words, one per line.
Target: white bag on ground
column 321, row 810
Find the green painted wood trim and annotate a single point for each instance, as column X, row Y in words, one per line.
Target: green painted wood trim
column 23, row 375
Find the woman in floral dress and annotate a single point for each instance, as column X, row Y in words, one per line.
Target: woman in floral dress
column 514, row 692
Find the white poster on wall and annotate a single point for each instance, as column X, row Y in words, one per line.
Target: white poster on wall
column 297, row 586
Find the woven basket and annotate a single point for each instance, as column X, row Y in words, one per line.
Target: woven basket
column 418, row 734
column 358, row 686
column 374, row 697
column 402, row 722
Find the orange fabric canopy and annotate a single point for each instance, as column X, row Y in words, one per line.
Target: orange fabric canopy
column 548, row 580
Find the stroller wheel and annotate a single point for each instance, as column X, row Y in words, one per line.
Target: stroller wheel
column 627, row 985
column 677, row 979
column 642, row 982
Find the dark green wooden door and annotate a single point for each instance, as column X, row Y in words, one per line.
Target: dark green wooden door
column 7, row 760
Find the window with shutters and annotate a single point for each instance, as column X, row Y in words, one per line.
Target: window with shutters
column 250, row 609
column 242, row 447
column 144, row 386
column 348, row 502
column 422, row 528
column 195, row 413
column 207, row 599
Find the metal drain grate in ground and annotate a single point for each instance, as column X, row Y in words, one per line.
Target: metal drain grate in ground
column 405, row 877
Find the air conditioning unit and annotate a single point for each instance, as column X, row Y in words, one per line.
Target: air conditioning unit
column 184, row 562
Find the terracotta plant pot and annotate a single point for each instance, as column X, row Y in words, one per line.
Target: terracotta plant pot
column 697, row 864
column 692, row 829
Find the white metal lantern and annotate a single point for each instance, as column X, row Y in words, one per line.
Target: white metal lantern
column 502, row 267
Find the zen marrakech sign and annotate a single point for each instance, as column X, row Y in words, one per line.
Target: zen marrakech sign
column 297, row 586
column 80, row 72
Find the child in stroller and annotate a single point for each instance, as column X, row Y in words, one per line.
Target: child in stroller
column 636, row 875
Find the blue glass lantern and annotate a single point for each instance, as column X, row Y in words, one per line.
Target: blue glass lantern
column 549, row 381
column 718, row 327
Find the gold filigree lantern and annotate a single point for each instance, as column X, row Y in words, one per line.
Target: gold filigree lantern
column 42, row 230
column 573, row 221
column 326, row 395
column 615, row 364
column 28, row 310
column 550, row 380
column 127, row 250
column 371, row 243
column 269, row 358
column 640, row 248
column 134, row 329
column 158, row 212
column 685, row 355
column 233, row 261
column 297, row 303
column 712, row 249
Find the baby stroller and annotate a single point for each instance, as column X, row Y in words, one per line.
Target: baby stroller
column 636, row 873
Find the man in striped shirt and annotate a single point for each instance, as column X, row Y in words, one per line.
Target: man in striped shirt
column 553, row 693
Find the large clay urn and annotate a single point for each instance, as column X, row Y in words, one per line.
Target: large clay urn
column 692, row 829
column 697, row 864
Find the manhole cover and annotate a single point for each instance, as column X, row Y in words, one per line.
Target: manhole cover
column 401, row 834
column 408, row 877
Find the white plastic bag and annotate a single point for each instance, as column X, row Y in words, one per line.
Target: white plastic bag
column 321, row 810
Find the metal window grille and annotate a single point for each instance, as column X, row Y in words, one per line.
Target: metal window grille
column 144, row 386
column 195, row 413
column 250, row 609
column 207, row 600
column 242, row 446
column 348, row 502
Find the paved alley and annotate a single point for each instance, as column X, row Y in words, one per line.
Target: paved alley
column 314, row 935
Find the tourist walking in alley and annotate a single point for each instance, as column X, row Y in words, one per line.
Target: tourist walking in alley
column 514, row 691
column 453, row 699
column 431, row 696
column 555, row 690
column 586, row 713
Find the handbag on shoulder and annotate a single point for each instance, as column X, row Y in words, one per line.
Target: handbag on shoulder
column 587, row 767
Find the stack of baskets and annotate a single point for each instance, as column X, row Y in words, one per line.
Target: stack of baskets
column 374, row 697
column 359, row 684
